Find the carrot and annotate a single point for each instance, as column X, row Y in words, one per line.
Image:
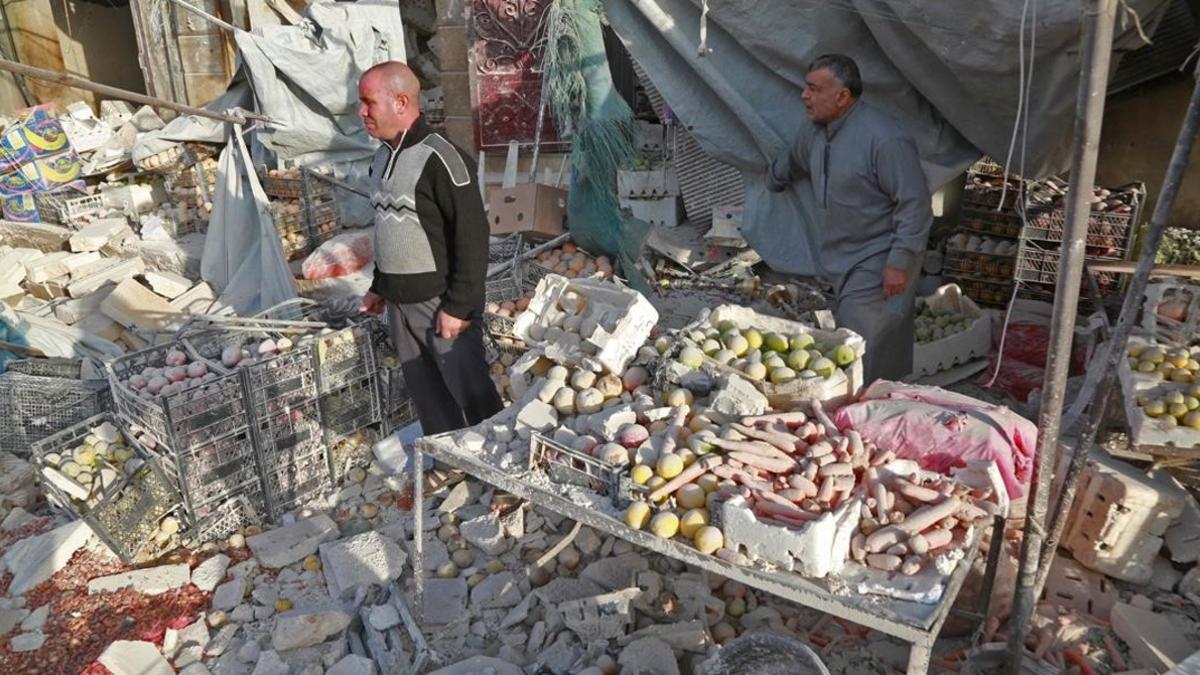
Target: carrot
column 1075, row 658
column 741, row 477
column 784, row 513
column 821, row 417
column 915, row 492
column 836, row 469
column 799, row 482
column 671, row 439
column 883, row 561
column 753, row 447
column 691, row 473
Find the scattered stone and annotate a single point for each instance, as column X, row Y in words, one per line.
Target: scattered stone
column 738, row 398
column 196, row 669
column 384, row 617
column 1154, row 639
column 519, row 613
column 537, row 636
column 36, row 559
column 512, row 655
column 686, row 636
column 9, row 618
column 485, row 534
column 190, row 642
column 269, row 663
column 262, row 612
column 602, row 617
column 220, row 643
column 368, row 558
column 460, row 495
column 495, row 592
column 565, row 589
column 560, row 656
column 36, row 619
column 300, row 628
column 150, row 581
column 127, row 657
column 16, row 519
column 1165, row 576
column 243, row 613
column 28, row 642
column 621, row 547
column 244, row 569
column 264, row 594
column 229, row 594
column 352, row 664
column 445, row 601
column 607, row 423
column 286, row 545
column 249, row 652
column 209, row 573
column 616, row 572
column 479, row 664
column 648, row 655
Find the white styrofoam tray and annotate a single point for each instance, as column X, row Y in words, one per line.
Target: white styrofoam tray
column 957, row 349
column 1146, row 430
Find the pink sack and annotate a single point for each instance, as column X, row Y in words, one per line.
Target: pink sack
column 941, row 430
column 344, row 254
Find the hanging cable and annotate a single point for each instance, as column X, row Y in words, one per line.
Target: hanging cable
column 703, row 50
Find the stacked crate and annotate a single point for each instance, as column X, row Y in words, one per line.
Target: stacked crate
column 304, row 210
column 650, row 189
column 350, row 404
column 40, row 397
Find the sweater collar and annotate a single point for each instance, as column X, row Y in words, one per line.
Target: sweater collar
column 415, row 134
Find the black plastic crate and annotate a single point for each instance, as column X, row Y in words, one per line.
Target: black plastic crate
column 399, row 410
column 124, row 514
column 214, row 472
column 289, row 436
column 960, row 262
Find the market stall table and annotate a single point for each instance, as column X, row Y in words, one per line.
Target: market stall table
column 912, row 622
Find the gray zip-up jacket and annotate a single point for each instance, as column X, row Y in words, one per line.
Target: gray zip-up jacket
column 870, row 189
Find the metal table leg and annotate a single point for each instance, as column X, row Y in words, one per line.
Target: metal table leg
column 418, row 561
column 918, row 658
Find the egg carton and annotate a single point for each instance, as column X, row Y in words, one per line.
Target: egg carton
column 344, row 356
column 35, row 406
column 183, row 420
column 127, row 513
column 565, row 465
column 294, row 485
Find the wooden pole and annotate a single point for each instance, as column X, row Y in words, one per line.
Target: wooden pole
column 113, row 92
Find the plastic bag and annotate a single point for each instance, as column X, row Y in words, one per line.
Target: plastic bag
column 344, row 254
column 942, row 430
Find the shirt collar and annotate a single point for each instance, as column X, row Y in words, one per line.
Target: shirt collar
column 415, row 134
column 833, row 127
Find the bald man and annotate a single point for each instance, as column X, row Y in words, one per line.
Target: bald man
column 431, row 252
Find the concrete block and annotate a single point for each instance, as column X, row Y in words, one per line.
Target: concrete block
column 199, row 299
column 601, row 617
column 75, row 310
column 286, row 545
column 817, row 550
column 498, row 591
column 383, row 617
column 12, row 264
column 616, row 572
column 34, row 235
column 229, row 594
column 150, row 581
column 101, row 326
column 606, row 423
column 1155, row 640
column 209, row 573
column 1183, row 536
column 77, row 261
column 1071, row 586
column 366, row 559
column 47, row 267
column 685, row 636
column 47, row 290
column 134, row 306
column 305, row 628
column 36, row 559
column 537, row 416
column 737, row 398
column 648, row 655
column 100, row 233
column 479, row 664
column 1118, row 519
column 167, row 284
column 352, row 664
column 485, row 534
column 109, row 271
column 445, row 601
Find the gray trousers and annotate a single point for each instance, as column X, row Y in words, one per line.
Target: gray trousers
column 447, row 379
column 886, row 324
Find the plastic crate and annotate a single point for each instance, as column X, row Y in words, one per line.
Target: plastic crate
column 229, row 517
column 978, row 264
column 564, row 465
column 507, row 287
column 70, row 210
column 187, row 419
column 344, row 356
column 289, row 436
column 1040, row 265
column 398, row 409
column 985, row 292
column 294, row 485
column 278, row 383
column 1005, row 224
column 293, row 186
column 53, row 367
column 126, row 514
column 33, row 407
column 214, row 472
column 350, row 409
column 1104, row 230
column 351, row 451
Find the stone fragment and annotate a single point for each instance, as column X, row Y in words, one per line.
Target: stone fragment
column 606, row 423
column 269, row 663
column 445, row 601
column 304, row 628
column 209, row 573
column 149, row 581
column 249, row 652
column 10, row 618
column 485, row 534
column 477, row 665
column 128, row 657
column 243, row 613
column 1155, row 640
column 537, row 416
column 588, row 542
column 229, row 594
column 196, row 669
column 738, row 398
column 365, row 559
column 685, row 636
column 16, row 519
column 167, row 284
column 36, row 619
column 615, row 572
column 291, row 544
column 36, row 559
column 384, row 617
column 352, row 664
column 459, row 496
column 220, row 642
column 518, row 614
column 602, row 617
column 27, row 642
column 648, row 655
column 190, row 642
column 496, row 592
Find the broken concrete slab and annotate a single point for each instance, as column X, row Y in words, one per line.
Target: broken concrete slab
column 221, row 642
column 445, row 601
column 36, row 619
column 601, row 617
column 1154, row 639
column 209, row 573
column 134, row 306
column 685, row 636
column 47, row 267
column 352, row 664
column 74, row 310
column 34, row 235
column 100, row 233
column 16, row 519
column 149, row 581
column 384, row 617
column 460, row 495
column 305, row 628
column 616, row 572
column 77, row 261
column 167, row 284
column 738, row 398
column 497, row 591
column 565, row 589
column 648, row 656
column 229, row 594
column 269, row 663
column 365, row 559
column 485, row 533
column 36, row 559
column 27, row 642
column 480, row 664
column 128, row 657
column 286, row 545
column 11, row 618
column 199, row 299
column 110, row 271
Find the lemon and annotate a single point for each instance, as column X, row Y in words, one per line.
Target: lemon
column 670, row 466
column 693, row 520
column 641, row 473
column 637, row 516
column 665, row 524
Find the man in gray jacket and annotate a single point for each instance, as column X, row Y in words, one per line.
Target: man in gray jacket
column 873, row 210
column 431, row 251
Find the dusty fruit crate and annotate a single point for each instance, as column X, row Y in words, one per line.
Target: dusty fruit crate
column 276, row 384
column 230, row 517
column 984, row 291
column 997, row 224
column 344, row 356
column 350, row 409
column 353, row 450
column 1109, row 232
column 398, row 409
column 1039, row 264
column 293, row 184
column 219, row 470
column 130, row 513
column 565, row 465
column 289, row 436
column 978, row 264
column 33, row 407
column 292, row 486
column 185, row 419
column 502, row 293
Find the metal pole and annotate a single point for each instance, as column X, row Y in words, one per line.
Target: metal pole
column 105, row 90
column 1098, row 16
column 1172, row 183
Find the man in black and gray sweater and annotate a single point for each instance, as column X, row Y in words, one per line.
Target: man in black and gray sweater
column 431, row 254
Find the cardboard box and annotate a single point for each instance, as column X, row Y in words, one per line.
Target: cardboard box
column 529, row 207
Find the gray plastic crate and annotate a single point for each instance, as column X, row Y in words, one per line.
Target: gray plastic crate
column 33, row 407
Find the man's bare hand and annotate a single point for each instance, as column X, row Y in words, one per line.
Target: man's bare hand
column 895, row 280
column 450, row 327
column 372, row 303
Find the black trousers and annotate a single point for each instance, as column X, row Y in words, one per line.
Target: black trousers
column 447, row 379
